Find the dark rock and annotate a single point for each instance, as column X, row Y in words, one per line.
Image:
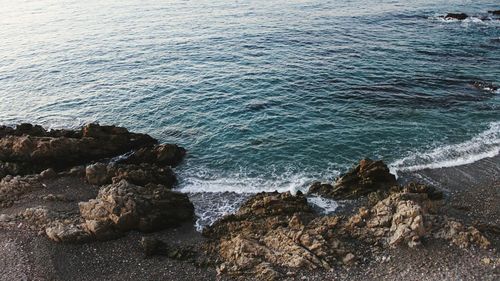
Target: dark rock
column 456, row 16
column 495, row 12
column 367, row 177
column 485, row 86
column 164, row 154
column 34, row 153
column 152, row 246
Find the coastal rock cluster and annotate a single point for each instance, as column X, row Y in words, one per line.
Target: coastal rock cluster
column 273, row 234
column 135, row 189
column 121, row 207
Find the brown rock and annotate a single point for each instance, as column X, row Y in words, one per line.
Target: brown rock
column 142, row 174
column 272, row 231
column 367, row 177
column 123, row 206
column 35, row 152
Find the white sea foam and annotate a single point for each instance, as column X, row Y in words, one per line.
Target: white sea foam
column 209, row 181
column 327, row 206
column 484, row 145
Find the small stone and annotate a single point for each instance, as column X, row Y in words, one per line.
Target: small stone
column 348, row 259
column 486, row 261
column 5, row 218
column 48, row 174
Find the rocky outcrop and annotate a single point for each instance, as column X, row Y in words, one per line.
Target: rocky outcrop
column 33, row 149
column 161, row 155
column 123, row 206
column 272, row 231
column 495, row 12
column 367, row 177
column 139, row 174
column 120, row 207
column 456, row 16
column 11, row 187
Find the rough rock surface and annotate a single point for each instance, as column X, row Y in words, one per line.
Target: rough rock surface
column 367, row 177
column 123, row 206
column 271, row 231
column 120, row 207
column 34, row 150
column 139, row 174
column 11, row 187
column 274, row 233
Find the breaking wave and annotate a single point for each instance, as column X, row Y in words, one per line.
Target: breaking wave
column 484, row 145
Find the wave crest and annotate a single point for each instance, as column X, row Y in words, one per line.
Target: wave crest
column 484, row 145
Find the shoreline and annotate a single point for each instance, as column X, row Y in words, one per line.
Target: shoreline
column 28, row 254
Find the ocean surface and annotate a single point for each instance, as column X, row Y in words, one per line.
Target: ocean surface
column 265, row 95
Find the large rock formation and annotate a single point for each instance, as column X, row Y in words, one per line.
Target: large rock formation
column 33, row 149
column 271, row 231
column 274, row 233
column 121, row 207
column 367, row 177
column 124, row 206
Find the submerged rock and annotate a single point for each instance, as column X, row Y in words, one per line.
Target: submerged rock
column 367, row 177
column 456, row 16
column 485, row 86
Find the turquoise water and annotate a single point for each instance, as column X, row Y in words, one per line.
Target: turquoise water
column 264, row 94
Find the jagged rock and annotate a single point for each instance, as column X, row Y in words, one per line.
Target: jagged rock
column 367, row 177
column 12, row 187
column 36, row 153
column 272, row 231
column 461, row 235
column 67, row 232
column 97, row 174
column 123, row 206
column 100, row 174
column 456, row 16
column 398, row 219
column 161, row 155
